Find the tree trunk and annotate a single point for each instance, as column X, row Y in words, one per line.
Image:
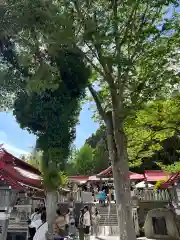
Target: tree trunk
column 51, row 207
column 118, row 155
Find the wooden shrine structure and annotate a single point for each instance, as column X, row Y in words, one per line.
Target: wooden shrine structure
column 20, row 189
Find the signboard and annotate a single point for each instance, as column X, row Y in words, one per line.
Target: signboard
column 86, row 197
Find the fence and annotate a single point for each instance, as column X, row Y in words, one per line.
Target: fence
column 151, row 195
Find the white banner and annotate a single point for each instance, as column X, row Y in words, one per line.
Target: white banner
column 86, row 197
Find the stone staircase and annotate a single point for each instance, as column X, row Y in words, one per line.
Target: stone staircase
column 108, row 215
column 108, row 225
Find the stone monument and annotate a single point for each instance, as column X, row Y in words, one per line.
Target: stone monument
column 160, row 223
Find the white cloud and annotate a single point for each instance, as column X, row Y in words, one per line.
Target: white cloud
column 14, row 150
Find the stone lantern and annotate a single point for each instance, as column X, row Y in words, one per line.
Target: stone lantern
column 5, row 209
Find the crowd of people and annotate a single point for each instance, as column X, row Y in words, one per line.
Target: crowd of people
column 64, row 225
column 104, row 194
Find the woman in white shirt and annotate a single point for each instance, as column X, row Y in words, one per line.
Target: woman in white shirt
column 34, row 217
column 41, row 228
column 86, row 223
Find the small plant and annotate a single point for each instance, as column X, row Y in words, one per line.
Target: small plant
column 159, row 183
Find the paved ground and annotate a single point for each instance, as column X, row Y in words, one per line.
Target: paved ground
column 105, row 238
column 115, row 238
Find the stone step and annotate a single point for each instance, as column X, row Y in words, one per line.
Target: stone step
column 108, row 230
column 106, row 212
column 108, row 220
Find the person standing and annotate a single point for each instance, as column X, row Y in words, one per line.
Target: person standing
column 114, row 195
column 73, row 233
column 59, row 229
column 103, row 197
column 67, row 219
column 81, row 226
column 86, row 223
column 42, row 229
column 95, row 219
column 36, row 216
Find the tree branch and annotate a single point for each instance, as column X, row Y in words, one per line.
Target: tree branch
column 116, row 35
column 138, row 32
column 107, row 75
column 128, row 23
column 97, row 101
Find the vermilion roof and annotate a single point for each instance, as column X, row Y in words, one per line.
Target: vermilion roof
column 136, row 176
column 79, row 178
column 173, row 178
column 156, row 175
column 13, row 183
column 10, row 159
column 16, row 172
column 108, row 172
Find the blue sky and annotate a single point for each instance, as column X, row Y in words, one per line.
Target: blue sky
column 18, row 141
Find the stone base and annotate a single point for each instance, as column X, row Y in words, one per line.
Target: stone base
column 168, row 215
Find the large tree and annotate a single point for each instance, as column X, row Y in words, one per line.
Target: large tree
column 47, row 89
column 129, row 45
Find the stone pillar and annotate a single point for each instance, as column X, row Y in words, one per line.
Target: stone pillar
column 4, row 220
column 5, row 209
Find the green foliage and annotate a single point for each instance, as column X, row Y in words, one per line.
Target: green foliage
column 172, row 168
column 52, row 114
column 158, row 184
column 35, row 159
column 153, row 137
column 83, row 162
column 48, row 82
column 101, row 156
column 98, row 143
column 127, row 41
column 88, row 160
column 96, row 137
column 150, row 127
column 53, row 179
